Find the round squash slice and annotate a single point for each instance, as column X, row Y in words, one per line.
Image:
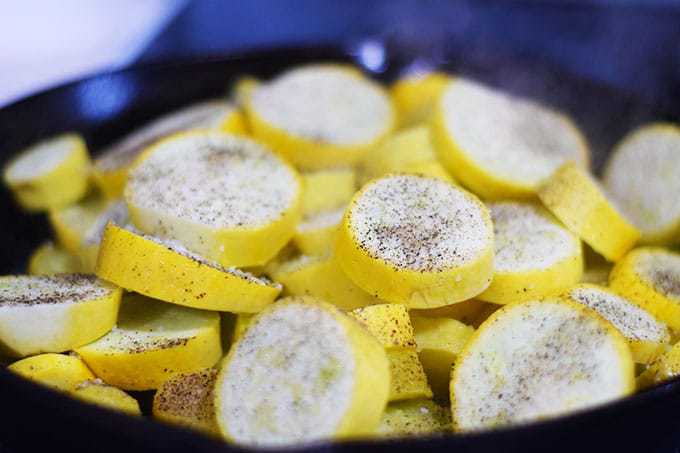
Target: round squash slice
column 223, row 197
column 320, row 116
column 414, row 418
column 96, row 392
column 50, row 174
column 415, row 96
column 165, row 270
column 646, row 335
column 578, row 201
column 112, row 165
column 642, row 174
column 302, row 372
column 50, row 259
column 54, row 313
column 535, row 256
column 188, row 400
column 536, row 360
column 152, row 342
column 499, row 145
column 418, row 241
column 58, row 371
column 650, row 277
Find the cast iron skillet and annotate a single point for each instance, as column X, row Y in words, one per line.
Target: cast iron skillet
column 105, row 106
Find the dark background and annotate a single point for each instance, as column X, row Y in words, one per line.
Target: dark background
column 631, row 45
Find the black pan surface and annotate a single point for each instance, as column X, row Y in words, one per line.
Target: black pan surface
column 106, row 106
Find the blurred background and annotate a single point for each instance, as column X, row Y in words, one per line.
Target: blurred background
column 633, row 45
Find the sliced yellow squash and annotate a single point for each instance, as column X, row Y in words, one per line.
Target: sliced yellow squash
column 577, row 200
column 96, row 392
column 302, row 372
column 414, row 418
column 152, row 342
column 50, row 174
column 327, row 190
column 321, row 277
column 54, row 313
column 535, row 256
column 415, row 96
column 320, row 116
column 418, row 241
column 58, row 371
column 389, row 323
column 536, row 360
column 50, row 259
column 642, row 175
column 113, row 163
column 650, row 277
column 646, row 335
column 164, row 270
column 439, row 342
column 188, row 400
column 223, row 197
column 499, row 145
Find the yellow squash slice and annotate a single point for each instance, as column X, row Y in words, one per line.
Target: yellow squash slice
column 316, row 234
column 577, row 200
column 391, row 326
column 321, row 277
column 642, row 174
column 665, row 367
column 501, row 146
column 50, row 174
column 326, row 190
column 188, row 400
column 112, row 165
column 535, row 256
column 152, row 342
column 431, row 168
column 466, row 312
column 58, row 371
column 646, row 335
column 415, row 96
column 50, row 259
column 164, row 270
column 414, row 418
column 439, row 342
column 389, row 323
column 223, row 197
column 54, row 313
column 320, row 116
column 96, row 392
column 537, row 360
column 79, row 227
column 418, row 241
column 302, row 372
column 241, row 325
column 407, row 376
column 650, row 277
column 407, row 151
